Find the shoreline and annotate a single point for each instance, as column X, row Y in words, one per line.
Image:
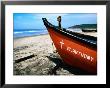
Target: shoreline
column 30, row 36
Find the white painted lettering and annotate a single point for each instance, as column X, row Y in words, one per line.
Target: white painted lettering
column 92, row 58
column 88, row 57
column 61, row 43
column 74, row 51
column 69, row 48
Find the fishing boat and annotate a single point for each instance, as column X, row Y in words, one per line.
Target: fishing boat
column 76, row 49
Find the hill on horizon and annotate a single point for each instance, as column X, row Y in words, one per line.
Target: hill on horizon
column 82, row 26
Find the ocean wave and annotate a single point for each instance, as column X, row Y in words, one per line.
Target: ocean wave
column 29, row 31
column 18, row 32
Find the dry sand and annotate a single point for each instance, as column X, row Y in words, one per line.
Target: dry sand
column 36, row 56
column 94, row 34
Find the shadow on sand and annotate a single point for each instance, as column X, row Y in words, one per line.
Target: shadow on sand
column 60, row 64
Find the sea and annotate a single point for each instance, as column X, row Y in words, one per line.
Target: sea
column 18, row 33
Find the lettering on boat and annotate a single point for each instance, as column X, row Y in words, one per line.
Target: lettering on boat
column 76, row 52
column 61, row 43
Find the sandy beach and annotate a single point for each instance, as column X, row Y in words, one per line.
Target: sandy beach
column 36, row 56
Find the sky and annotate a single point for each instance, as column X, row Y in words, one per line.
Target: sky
column 34, row 20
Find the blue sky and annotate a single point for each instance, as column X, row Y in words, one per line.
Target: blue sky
column 34, row 20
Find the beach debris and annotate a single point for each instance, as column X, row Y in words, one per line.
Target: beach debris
column 24, row 58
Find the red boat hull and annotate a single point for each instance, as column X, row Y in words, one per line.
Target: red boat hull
column 74, row 52
column 77, row 50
